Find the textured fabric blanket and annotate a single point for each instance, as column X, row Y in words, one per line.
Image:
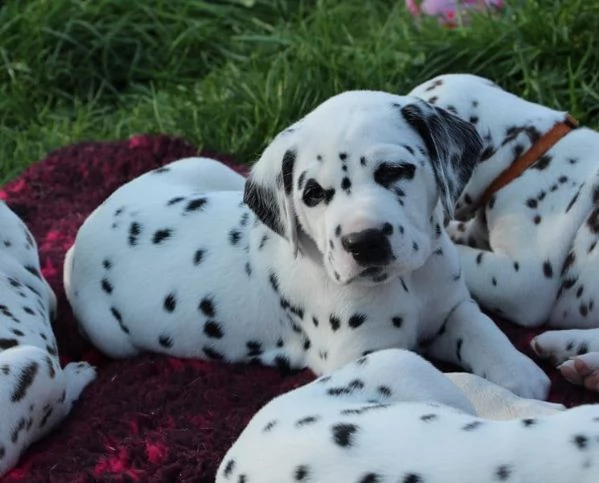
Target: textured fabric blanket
column 151, row 419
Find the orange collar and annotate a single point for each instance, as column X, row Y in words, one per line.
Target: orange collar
column 538, row 149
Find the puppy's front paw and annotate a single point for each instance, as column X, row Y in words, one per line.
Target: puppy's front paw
column 561, row 345
column 78, row 375
column 521, row 376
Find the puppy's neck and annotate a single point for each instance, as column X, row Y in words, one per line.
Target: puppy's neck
column 509, row 127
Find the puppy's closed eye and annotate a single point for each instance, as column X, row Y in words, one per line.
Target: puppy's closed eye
column 388, row 173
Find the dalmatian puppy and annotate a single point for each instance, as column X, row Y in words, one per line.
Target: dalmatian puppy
column 530, row 252
column 392, row 417
column 335, row 248
column 35, row 393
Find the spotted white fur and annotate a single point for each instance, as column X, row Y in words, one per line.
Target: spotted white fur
column 392, row 417
column 35, row 393
column 531, row 253
column 336, row 249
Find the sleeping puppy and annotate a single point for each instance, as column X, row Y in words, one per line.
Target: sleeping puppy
column 335, row 248
column 35, row 393
column 529, row 248
column 392, row 417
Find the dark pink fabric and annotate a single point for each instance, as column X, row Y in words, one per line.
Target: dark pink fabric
column 151, row 419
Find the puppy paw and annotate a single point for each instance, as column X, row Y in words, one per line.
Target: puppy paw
column 561, row 345
column 582, row 370
column 523, row 377
column 78, row 375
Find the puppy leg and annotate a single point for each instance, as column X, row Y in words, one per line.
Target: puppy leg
column 575, row 300
column 35, row 395
column 391, row 375
column 506, row 285
column 471, row 340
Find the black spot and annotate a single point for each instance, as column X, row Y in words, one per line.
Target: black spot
column 547, row 269
column 572, row 201
column 282, row 364
column 263, row 241
column 17, row 332
column 487, row 153
column 234, row 236
column 248, row 269
column 568, row 262
column 427, row 418
column 229, row 467
column 370, row 478
column 306, row 421
column 583, row 348
column 213, row 330
column 270, row 425
column 363, row 161
column 254, row 348
column 342, row 156
column 412, row 478
column 161, row 235
column 207, row 307
column 580, row 441
column 503, row 472
column 196, row 204
column 338, row 230
column 165, row 341
column 542, row 163
column 345, row 184
column 397, row 321
column 479, row 258
column 384, row 391
column 537, row 219
column 134, row 232
column 472, row 426
column 34, row 271
column 315, row 321
column 301, row 473
column 473, row 119
column 274, row 281
column 106, row 286
column 212, row 354
column 107, row 264
column 335, row 322
column 583, row 310
column 28, row 310
column 528, row 422
column 174, row 201
column 415, row 246
column 532, row 203
column 494, row 281
column 344, row 434
column 25, row 380
column 356, row 320
column 198, row 256
column 119, row 318
column 170, row 303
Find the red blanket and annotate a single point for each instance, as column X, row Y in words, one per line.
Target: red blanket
column 151, row 419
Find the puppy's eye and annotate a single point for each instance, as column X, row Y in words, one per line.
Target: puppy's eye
column 313, row 193
column 386, row 173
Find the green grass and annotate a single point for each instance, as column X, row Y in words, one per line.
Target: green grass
column 227, row 75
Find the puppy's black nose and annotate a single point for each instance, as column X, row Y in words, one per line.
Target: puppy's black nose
column 368, row 247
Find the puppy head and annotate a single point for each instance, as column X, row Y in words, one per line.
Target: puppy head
column 354, row 184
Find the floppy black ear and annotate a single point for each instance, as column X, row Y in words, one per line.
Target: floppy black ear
column 269, row 187
column 453, row 145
